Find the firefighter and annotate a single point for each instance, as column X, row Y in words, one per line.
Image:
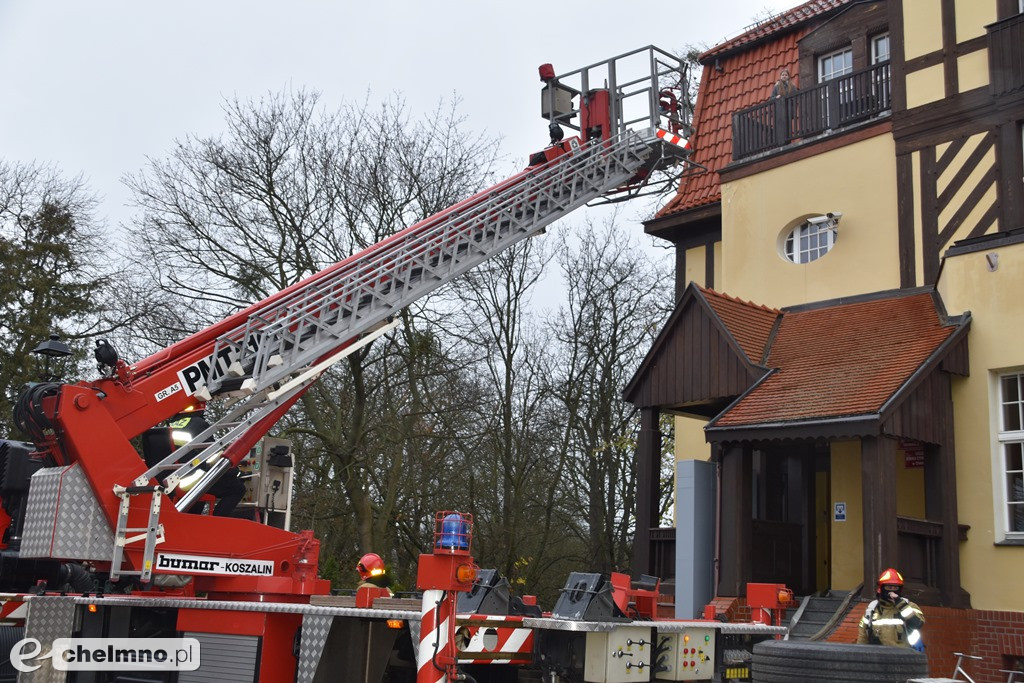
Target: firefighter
column 372, row 572
column 228, row 489
column 891, row 619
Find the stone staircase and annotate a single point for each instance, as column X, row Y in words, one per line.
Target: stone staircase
column 818, row 614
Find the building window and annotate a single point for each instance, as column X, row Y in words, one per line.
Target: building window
column 880, row 48
column 809, row 241
column 1011, row 449
column 835, row 64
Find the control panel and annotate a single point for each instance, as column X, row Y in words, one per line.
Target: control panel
column 267, row 473
column 620, row 656
column 687, row 655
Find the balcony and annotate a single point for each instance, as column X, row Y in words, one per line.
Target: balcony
column 821, row 110
column 1006, row 54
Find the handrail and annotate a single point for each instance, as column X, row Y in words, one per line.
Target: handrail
column 834, row 104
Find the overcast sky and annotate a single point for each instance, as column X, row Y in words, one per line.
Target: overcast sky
column 96, row 86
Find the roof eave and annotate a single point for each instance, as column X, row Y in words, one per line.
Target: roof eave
column 815, row 428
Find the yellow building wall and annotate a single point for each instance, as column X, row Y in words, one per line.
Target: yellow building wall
column 858, row 180
column 847, row 537
column 995, row 301
column 695, row 265
column 922, row 27
column 971, row 18
column 690, row 443
column 925, row 86
column 910, row 484
column 972, row 70
column 717, row 285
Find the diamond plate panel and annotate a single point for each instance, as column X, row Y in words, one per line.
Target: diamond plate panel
column 48, row 618
column 41, row 512
column 83, row 532
column 314, row 634
column 64, row 520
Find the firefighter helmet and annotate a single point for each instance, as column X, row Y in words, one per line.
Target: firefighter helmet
column 370, row 565
column 890, row 577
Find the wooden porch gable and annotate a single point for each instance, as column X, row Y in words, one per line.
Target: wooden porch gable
column 699, row 361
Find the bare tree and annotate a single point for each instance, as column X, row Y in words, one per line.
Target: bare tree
column 508, row 457
column 287, row 190
column 614, row 296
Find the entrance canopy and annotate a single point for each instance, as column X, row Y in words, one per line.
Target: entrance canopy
column 844, row 368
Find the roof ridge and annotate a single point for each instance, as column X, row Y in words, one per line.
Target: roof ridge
column 729, row 297
column 865, row 298
column 775, row 23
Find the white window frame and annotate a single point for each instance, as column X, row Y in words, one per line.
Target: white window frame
column 876, row 41
column 794, row 252
column 832, row 73
column 1006, row 436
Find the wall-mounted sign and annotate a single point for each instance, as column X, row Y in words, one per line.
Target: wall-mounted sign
column 913, row 453
column 839, row 514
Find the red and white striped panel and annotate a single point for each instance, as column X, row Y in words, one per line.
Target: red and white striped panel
column 512, row 639
column 434, row 626
column 13, row 610
column 673, row 139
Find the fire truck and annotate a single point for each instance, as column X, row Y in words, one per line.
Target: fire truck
column 98, row 540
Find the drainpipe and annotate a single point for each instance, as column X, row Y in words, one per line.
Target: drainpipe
column 718, row 519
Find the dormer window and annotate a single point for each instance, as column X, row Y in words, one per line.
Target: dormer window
column 835, row 64
column 880, row 48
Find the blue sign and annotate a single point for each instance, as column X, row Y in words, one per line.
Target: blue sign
column 840, row 512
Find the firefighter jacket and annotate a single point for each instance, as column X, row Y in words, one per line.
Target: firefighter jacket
column 886, row 623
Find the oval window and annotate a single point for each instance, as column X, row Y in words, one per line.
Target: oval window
column 810, row 240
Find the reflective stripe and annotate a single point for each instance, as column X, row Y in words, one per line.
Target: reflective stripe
column 672, row 138
column 888, row 622
column 907, row 612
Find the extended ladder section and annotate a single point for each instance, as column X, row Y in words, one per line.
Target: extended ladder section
column 277, row 342
column 265, row 363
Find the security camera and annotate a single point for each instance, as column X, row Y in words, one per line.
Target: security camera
column 830, row 219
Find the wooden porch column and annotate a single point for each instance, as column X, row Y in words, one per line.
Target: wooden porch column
column 878, row 483
column 648, row 463
column 736, row 521
column 940, row 505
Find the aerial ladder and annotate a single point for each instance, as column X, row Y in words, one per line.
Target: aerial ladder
column 259, row 361
column 251, row 593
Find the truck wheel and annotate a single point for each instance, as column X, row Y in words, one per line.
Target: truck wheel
column 778, row 661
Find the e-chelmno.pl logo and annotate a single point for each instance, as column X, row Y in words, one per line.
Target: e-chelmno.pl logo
column 109, row 654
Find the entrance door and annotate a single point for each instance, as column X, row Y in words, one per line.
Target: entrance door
column 784, row 521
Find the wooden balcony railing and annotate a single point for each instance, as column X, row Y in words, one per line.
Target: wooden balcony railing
column 663, row 554
column 1006, row 54
column 918, row 549
column 830, row 106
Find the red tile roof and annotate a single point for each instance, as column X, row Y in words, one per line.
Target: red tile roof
column 733, row 80
column 842, row 360
column 776, row 24
column 750, row 324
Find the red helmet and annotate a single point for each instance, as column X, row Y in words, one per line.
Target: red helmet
column 890, row 577
column 370, row 565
